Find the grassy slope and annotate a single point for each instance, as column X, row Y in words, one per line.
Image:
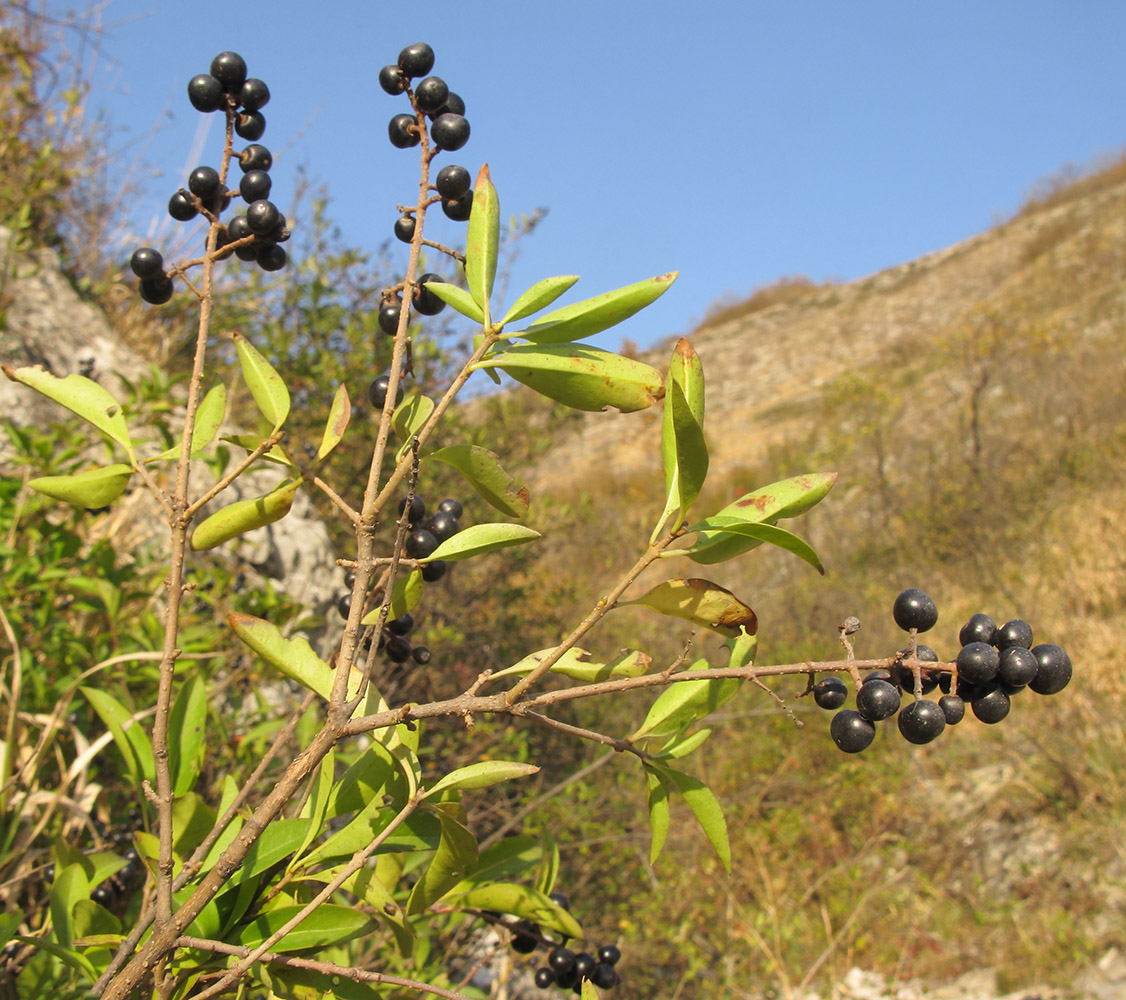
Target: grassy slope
column 973, row 405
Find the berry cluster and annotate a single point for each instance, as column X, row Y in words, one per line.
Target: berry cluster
column 995, row 662
column 257, row 233
column 449, row 130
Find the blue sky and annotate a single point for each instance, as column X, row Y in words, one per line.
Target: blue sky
column 734, row 141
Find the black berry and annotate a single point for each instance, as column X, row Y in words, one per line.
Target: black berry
column 545, row 978
column 204, row 183
column 458, row 209
column 146, row 262
column 454, row 105
column 344, row 605
column 389, row 318
column 558, row 898
column 830, row 693
column 991, row 705
column 431, row 94
column 404, row 229
column 271, row 258
column 525, row 938
column 205, row 92
column 609, row 954
column 953, row 708
column 420, row 543
column 1014, row 633
column 416, row 60
column 402, row 130
column 262, row 216
column 604, row 976
column 229, row 68
column 254, row 94
column 561, row 960
column 250, row 125
column 255, row 185
column 877, row 700
column 398, row 650
column 584, row 964
column 377, row 391
column 391, row 79
column 425, row 301
column 877, row 675
column 1053, row 670
column 913, row 609
column 449, row 132
column 453, row 508
column 156, row 291
column 181, row 207
column 421, row 655
column 977, row 663
column 979, row 628
column 432, row 572
column 1017, row 667
column 922, row 721
column 850, row 732
column 255, row 157
column 401, row 625
column 417, row 511
column 442, row 526
column 453, row 181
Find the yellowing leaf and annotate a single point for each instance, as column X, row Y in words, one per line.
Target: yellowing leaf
column 245, row 515
column 93, row 488
column 701, row 602
column 264, row 383
column 338, row 418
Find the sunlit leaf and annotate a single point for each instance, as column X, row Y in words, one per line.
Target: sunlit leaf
column 293, row 657
column 245, row 515
column 458, row 298
column 252, row 441
column 704, row 805
column 549, row 865
column 264, row 383
column 658, row 813
column 410, row 416
column 573, row 664
column 483, row 471
column 591, row 316
column 209, row 418
column 479, row 538
column 520, row 901
column 406, row 593
column 538, row 297
column 483, row 774
column 186, row 734
column 683, row 448
column 338, row 417
column 482, row 240
column 455, row 857
column 127, row 734
column 771, row 533
column 581, row 376
column 701, row 602
column 93, row 488
column 316, row 805
column 80, row 395
column 327, row 925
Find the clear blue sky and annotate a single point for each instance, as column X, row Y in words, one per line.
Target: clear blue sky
column 734, row 141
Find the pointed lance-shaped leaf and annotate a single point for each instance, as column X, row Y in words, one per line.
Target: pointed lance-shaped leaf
column 245, row 515
column 411, row 415
column 521, row 901
column 580, row 376
column 264, row 383
column 338, row 417
column 538, row 297
column 251, row 442
column 683, row 448
column 701, row 602
column 479, row 538
column 658, row 795
column 786, row 498
column 483, row 774
column 328, row 925
column 769, row 533
column 406, row 593
column 482, row 240
column 573, row 664
column 483, row 471
column 82, row 396
column 455, row 858
column 293, row 657
column 93, row 488
column 584, row 319
column 458, row 298
column 704, row 805
column 209, row 418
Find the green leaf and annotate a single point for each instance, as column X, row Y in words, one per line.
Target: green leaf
column 338, row 417
column 549, row 865
column 520, row 901
column 682, row 747
column 507, row 858
column 591, row 316
column 367, row 884
column 252, row 441
column 406, row 593
column 479, row 538
column 787, row 498
column 208, row 419
column 455, row 858
column 80, row 395
column 282, row 838
column 327, row 925
column 95, row 487
column 483, row 471
column 720, row 525
column 264, row 383
column 458, row 298
column 316, row 805
column 704, row 805
column 580, row 376
column 410, row 416
column 701, row 602
column 482, row 240
column 588, row 991
column 185, row 734
column 483, row 774
column 71, row 884
column 245, row 515
column 538, row 297
column 683, row 448
column 293, row 657
column 127, row 734
column 629, row 663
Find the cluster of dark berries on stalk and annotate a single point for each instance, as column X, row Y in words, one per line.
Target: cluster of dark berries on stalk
column 430, row 98
column 257, row 233
column 994, row 664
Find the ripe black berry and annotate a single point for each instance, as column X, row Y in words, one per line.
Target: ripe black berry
column 877, row 700
column 238, row 228
column 271, row 258
column 402, row 130
column 525, row 939
column 229, row 68
column 350, row 579
column 977, row 663
column 254, row 94
column 377, row 391
column 1053, row 670
column 181, row 207
column 417, row 59
column 991, row 705
column 1017, row 667
column 604, row 976
column 262, row 216
column 432, row 572
column 850, row 732
column 442, row 526
column 450, row 131
column 156, row 291
column 420, row 543
column 922, row 721
column 389, row 318
column 417, row 511
column 558, row 898
column 877, row 675
column 454, row 105
column 431, row 94
column 452, row 181
column 458, row 209
column 913, row 609
column 421, row 655
column 255, row 185
column 205, row 92
column 453, row 508
column 391, row 79
column 404, row 229
column 425, row 301
column 401, row 625
column 204, row 183
column 609, row 954
column 250, row 125
column 1014, row 633
column 979, row 628
column 344, row 605
column 561, row 960
column 104, row 894
column 545, row 978
column 146, row 262
column 584, row 964
column 255, row 157
column 398, row 650
column 953, row 708
column 830, row 693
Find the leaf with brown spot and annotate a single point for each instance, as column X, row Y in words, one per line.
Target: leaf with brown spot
column 701, row 602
